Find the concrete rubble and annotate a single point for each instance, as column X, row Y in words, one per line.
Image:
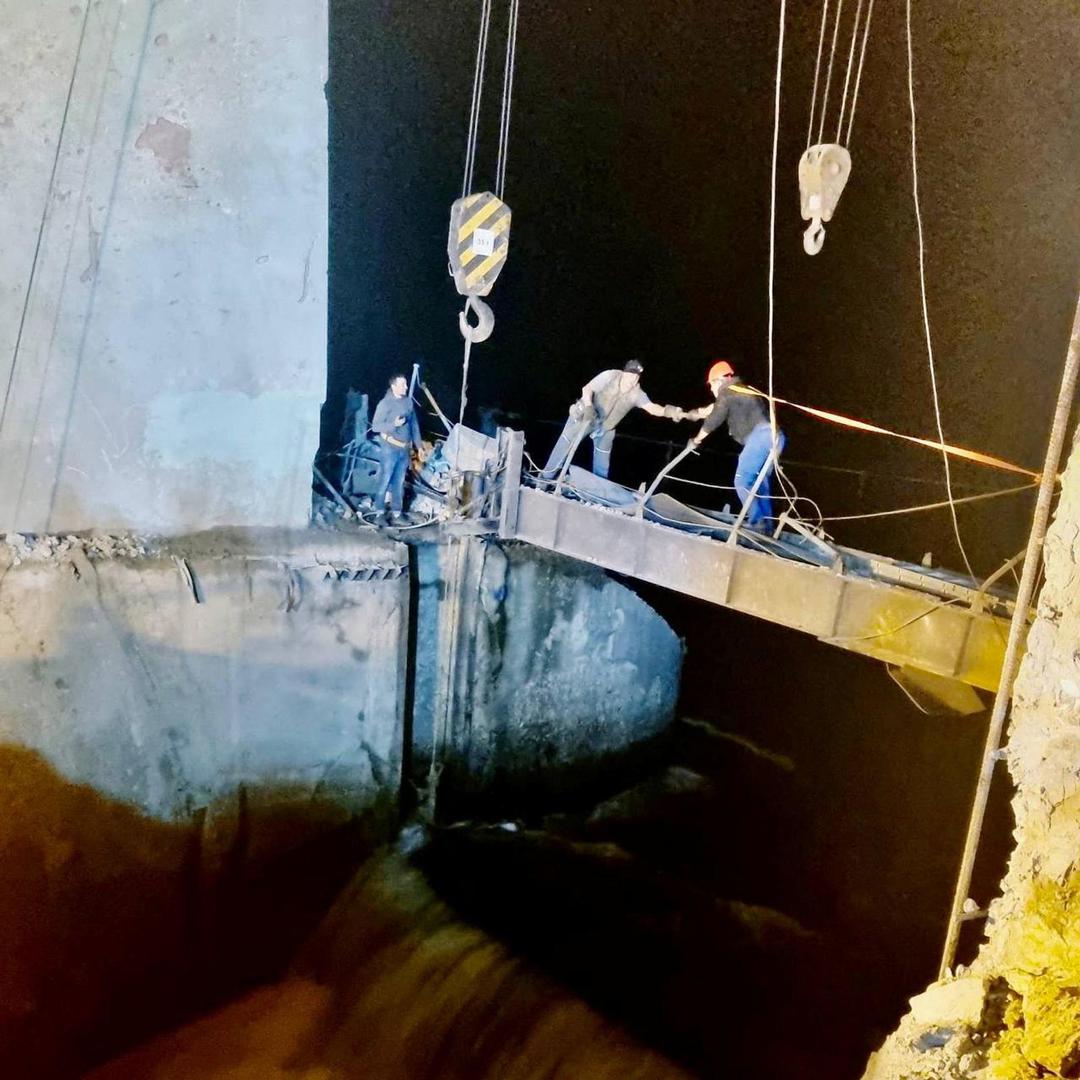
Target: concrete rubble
column 27, row 547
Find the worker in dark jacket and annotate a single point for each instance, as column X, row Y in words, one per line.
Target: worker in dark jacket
column 397, row 431
column 748, row 424
column 605, row 400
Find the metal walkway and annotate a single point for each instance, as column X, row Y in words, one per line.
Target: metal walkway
column 905, row 615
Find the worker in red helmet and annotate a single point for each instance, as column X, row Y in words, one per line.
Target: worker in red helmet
column 747, row 422
column 604, row 401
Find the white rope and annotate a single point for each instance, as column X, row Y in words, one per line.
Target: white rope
column 507, row 98
column 858, row 74
column 477, row 94
column 828, row 77
column 934, row 505
column 772, row 222
column 464, row 378
column 817, row 72
column 922, row 291
column 850, row 65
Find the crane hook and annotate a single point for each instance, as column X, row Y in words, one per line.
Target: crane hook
column 481, row 330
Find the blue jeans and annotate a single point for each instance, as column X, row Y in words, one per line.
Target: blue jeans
column 572, row 433
column 753, row 460
column 393, row 464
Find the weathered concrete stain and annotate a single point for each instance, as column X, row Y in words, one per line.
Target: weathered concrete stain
column 169, row 142
column 104, row 335
column 185, row 429
column 94, row 245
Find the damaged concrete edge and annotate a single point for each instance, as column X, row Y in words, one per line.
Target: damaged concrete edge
column 299, row 549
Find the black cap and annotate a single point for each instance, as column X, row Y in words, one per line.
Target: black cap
column 633, row 366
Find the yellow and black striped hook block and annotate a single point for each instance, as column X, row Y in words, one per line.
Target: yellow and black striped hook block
column 478, row 242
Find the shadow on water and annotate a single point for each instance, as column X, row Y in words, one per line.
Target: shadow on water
column 394, row 986
column 567, row 948
column 114, row 926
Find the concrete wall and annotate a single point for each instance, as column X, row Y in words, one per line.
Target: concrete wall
column 167, row 681
column 163, row 188
column 553, row 668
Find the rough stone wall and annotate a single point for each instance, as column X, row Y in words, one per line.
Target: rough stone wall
column 1016, row 1011
column 163, row 191
column 1043, row 743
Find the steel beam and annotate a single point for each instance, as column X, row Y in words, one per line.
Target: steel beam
column 890, row 622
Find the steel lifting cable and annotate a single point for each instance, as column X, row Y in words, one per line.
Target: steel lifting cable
column 473, row 302
column 828, row 77
column 850, row 64
column 858, row 74
column 479, row 70
column 477, row 93
column 507, row 98
column 844, row 112
column 817, row 72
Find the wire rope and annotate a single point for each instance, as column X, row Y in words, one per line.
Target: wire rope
column 772, row 218
column 477, row 94
column 828, row 77
column 507, row 98
column 44, row 219
column 817, row 72
column 858, row 74
column 922, row 292
column 850, row 65
column 934, row 505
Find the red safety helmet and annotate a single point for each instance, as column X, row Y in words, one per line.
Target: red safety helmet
column 721, row 369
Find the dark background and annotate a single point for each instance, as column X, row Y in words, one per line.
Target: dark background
column 639, row 180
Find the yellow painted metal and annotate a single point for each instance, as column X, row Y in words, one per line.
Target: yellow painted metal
column 894, row 623
column 475, row 276
column 479, row 218
column 479, row 230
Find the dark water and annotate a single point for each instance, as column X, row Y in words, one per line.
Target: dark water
column 754, row 894
column 395, row 986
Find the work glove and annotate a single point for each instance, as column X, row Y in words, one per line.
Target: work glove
column 692, row 446
column 674, row 412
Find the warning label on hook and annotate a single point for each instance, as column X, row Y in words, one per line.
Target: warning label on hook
column 483, row 241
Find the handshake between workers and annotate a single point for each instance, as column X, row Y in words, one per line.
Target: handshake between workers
column 606, row 399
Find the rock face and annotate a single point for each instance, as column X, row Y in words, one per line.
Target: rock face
column 1029, row 1025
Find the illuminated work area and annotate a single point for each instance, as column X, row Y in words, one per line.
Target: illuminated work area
column 539, row 540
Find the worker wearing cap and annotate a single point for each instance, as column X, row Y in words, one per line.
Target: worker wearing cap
column 604, row 401
column 397, row 431
column 748, row 424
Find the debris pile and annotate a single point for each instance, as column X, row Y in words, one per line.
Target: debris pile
column 27, row 547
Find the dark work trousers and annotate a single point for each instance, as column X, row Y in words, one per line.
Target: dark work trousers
column 393, row 464
column 754, row 459
column 574, row 431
